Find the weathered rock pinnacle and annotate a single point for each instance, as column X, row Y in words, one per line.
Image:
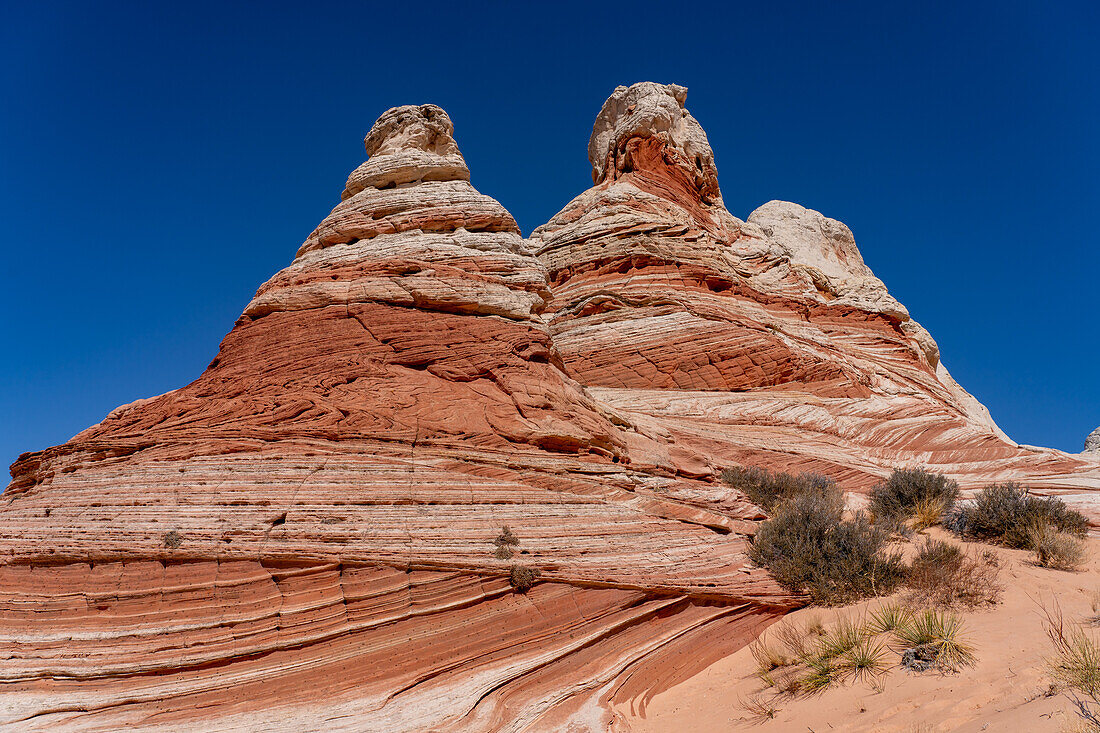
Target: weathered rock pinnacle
column 646, row 120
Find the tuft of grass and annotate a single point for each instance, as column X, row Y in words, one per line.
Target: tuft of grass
column 942, row 631
column 767, row 656
column 173, row 539
column 842, row 638
column 1075, row 664
column 821, row 674
column 898, row 497
column 759, row 708
column 1055, row 549
column 928, row 512
column 889, row 617
column 1007, row 513
column 793, row 639
column 866, row 661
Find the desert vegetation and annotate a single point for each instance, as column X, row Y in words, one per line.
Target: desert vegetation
column 795, row 660
column 943, row 574
column 505, row 543
column 912, row 494
column 810, row 547
column 1007, row 514
column 1075, row 666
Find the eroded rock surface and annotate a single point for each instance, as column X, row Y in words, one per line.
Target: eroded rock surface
column 767, row 341
column 303, row 538
column 1092, row 443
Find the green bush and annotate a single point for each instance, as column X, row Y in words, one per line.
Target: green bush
column 767, row 489
column 908, row 489
column 1009, row 515
column 809, row 547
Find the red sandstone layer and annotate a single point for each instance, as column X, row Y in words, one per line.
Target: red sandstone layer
column 303, row 538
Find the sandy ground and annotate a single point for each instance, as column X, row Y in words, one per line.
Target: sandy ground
column 1007, row 690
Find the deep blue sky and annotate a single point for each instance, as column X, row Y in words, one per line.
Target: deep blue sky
column 159, row 161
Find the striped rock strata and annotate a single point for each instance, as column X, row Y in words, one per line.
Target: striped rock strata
column 303, row 538
column 766, row 341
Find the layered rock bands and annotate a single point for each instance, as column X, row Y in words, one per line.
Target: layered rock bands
column 307, row 537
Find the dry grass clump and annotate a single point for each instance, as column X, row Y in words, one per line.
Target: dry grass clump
column 912, row 493
column 173, row 539
column 523, row 577
column 809, row 547
column 1075, row 665
column 506, row 544
column 767, row 489
column 943, row 575
column 885, row 619
column 1056, row 549
column 1007, row 514
column 759, row 708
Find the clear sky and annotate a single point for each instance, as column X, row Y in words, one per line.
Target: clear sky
column 158, row 161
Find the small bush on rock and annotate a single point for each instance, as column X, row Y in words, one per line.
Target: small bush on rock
column 506, row 543
column 1008, row 514
column 910, row 492
column 523, row 578
column 766, row 489
column 809, row 547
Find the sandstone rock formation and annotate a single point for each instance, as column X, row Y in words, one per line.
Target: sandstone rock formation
column 305, row 538
column 1092, row 443
column 766, row 341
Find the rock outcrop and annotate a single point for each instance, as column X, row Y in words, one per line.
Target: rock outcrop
column 303, row 538
column 308, row 536
column 1092, row 443
column 766, row 341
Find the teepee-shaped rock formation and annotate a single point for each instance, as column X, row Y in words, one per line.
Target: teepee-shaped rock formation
column 304, row 537
column 766, row 341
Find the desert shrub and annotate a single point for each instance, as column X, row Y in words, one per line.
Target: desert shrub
column 942, row 574
column 908, row 489
column 1007, row 514
column 523, row 577
column 767, row 489
column 1056, row 549
column 809, row 547
column 173, row 539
